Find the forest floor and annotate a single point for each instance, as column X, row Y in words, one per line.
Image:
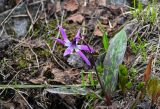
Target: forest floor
column 35, row 74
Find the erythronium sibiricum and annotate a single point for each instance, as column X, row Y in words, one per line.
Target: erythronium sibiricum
column 73, row 45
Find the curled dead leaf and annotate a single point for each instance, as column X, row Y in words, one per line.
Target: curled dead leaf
column 76, row 18
column 38, row 80
column 71, row 5
column 148, row 70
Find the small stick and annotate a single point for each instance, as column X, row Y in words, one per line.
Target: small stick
column 10, row 13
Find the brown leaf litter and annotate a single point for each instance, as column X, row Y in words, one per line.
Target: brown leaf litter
column 71, row 5
column 147, row 72
column 76, row 18
column 54, row 75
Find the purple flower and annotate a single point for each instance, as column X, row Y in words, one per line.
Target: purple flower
column 73, row 45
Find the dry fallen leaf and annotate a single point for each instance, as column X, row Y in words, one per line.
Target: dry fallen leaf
column 7, row 105
column 128, row 58
column 102, row 2
column 89, row 8
column 115, row 10
column 38, row 80
column 148, row 70
column 104, row 19
column 17, row 1
column 69, row 99
column 71, row 5
column 97, row 31
column 58, row 6
column 65, row 77
column 76, row 18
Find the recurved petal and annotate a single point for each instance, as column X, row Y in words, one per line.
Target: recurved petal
column 60, row 41
column 86, row 48
column 68, row 51
column 63, row 33
column 83, row 57
column 77, row 37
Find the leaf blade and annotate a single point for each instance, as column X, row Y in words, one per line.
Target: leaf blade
column 113, row 59
column 105, row 41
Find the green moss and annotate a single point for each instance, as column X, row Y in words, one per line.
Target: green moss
column 43, row 53
column 123, row 81
column 22, row 63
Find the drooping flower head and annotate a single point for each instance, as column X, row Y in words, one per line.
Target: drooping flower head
column 73, row 45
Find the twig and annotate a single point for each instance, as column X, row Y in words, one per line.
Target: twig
column 33, row 21
column 62, row 16
column 30, row 16
column 9, row 82
column 43, row 10
column 10, row 13
column 35, row 56
column 24, row 99
column 54, row 56
column 29, row 46
column 36, row 2
column 2, row 31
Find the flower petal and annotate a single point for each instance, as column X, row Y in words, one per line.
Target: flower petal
column 68, row 51
column 86, row 48
column 77, row 37
column 63, row 33
column 60, row 41
column 67, row 44
column 83, row 57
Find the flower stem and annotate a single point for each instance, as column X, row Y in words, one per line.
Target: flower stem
column 107, row 97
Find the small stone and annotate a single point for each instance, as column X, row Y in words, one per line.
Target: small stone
column 75, row 60
column 20, row 26
column 130, row 26
column 121, row 20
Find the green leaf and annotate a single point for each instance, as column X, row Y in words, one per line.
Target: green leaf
column 123, row 70
column 123, row 78
column 129, row 85
column 105, row 41
column 68, row 90
column 140, row 85
column 90, row 77
column 113, row 59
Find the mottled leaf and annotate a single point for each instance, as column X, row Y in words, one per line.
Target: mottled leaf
column 68, row 90
column 113, row 59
